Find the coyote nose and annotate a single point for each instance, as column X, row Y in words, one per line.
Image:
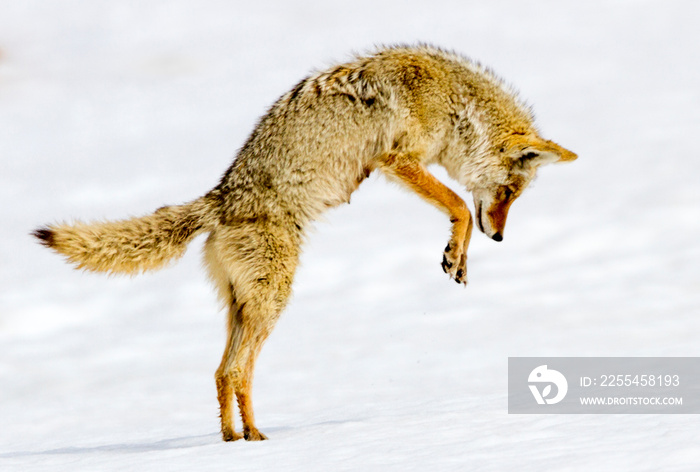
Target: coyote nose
column 497, row 237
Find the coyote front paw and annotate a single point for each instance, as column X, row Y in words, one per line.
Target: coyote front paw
column 454, row 262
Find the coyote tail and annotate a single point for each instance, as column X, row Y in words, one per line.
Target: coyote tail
column 133, row 245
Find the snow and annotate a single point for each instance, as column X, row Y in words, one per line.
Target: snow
column 110, row 109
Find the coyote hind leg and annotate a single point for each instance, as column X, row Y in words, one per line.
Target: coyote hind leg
column 253, row 269
column 234, row 376
column 225, row 384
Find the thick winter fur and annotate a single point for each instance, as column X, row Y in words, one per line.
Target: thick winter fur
column 398, row 111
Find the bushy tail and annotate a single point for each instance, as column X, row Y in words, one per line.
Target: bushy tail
column 133, row 245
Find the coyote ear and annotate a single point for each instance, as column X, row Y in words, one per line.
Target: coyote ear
column 544, row 152
column 532, row 156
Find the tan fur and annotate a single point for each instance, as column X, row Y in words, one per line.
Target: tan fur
column 398, row 110
column 133, row 245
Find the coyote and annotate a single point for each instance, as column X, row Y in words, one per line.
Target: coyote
column 397, row 110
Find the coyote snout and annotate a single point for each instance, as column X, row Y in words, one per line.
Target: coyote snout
column 492, row 212
column 396, row 111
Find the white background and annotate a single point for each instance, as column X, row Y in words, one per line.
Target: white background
column 114, row 108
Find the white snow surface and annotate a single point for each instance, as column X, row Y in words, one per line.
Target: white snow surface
column 110, row 109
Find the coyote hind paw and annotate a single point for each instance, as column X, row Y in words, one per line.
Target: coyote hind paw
column 231, row 436
column 254, row 435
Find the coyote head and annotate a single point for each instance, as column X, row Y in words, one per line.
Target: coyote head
column 506, row 175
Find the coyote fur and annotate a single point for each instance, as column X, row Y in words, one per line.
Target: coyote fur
column 397, row 111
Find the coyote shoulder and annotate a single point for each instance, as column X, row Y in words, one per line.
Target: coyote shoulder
column 396, row 111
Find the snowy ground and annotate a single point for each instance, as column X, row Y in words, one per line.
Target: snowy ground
column 379, row 363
